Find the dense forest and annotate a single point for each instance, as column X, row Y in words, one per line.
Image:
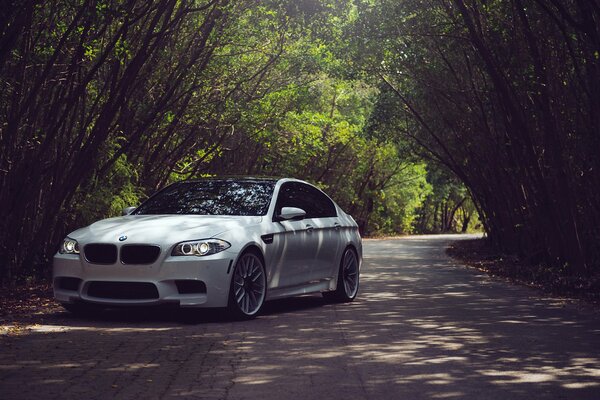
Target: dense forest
column 414, row 115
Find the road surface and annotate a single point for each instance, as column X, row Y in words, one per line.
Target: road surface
column 423, row 327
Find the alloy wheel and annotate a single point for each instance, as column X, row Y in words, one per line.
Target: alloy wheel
column 350, row 273
column 249, row 285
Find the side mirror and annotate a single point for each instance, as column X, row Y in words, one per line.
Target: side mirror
column 291, row 213
column 128, row 210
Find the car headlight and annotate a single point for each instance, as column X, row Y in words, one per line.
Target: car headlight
column 202, row 247
column 69, row 246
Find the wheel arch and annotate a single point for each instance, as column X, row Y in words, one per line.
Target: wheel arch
column 256, row 249
column 252, row 247
column 352, row 246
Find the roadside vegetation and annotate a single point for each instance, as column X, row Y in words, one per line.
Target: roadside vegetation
column 417, row 116
column 480, row 254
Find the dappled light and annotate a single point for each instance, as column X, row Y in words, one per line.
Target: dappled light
column 414, row 116
column 421, row 327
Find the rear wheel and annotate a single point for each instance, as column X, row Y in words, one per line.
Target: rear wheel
column 348, row 279
column 248, row 286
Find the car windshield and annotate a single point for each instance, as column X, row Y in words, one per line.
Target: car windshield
column 211, row 197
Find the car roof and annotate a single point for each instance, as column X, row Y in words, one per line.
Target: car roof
column 245, row 178
column 234, row 177
column 272, row 179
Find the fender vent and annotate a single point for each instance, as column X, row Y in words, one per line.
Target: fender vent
column 268, row 239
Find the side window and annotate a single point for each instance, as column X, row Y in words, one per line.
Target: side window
column 289, row 197
column 322, row 206
column 296, row 194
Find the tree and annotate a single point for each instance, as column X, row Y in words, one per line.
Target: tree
column 502, row 95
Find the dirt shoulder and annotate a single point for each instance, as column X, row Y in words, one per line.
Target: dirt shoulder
column 26, row 304
column 479, row 254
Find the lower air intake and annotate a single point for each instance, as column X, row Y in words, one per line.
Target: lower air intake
column 189, row 286
column 123, row 290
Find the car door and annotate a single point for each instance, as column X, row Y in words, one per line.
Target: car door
column 295, row 241
column 327, row 234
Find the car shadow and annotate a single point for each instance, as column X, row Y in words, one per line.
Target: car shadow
column 169, row 314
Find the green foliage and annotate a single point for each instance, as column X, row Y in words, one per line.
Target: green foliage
column 109, row 195
column 505, row 95
column 396, row 206
column 103, row 103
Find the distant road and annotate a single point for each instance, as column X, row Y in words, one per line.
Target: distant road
column 422, row 327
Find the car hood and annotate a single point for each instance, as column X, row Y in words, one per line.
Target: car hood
column 160, row 228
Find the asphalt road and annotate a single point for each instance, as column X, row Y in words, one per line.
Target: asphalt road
column 422, row 327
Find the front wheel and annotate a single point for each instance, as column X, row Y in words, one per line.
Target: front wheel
column 348, row 279
column 248, row 286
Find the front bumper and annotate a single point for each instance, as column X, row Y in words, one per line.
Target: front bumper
column 185, row 281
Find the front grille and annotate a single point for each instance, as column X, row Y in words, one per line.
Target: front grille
column 100, row 253
column 139, row 254
column 123, row 290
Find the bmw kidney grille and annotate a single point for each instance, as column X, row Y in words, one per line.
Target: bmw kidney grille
column 139, row 254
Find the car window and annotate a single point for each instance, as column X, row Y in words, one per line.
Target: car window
column 211, row 197
column 313, row 201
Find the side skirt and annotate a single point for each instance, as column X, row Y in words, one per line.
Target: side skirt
column 311, row 287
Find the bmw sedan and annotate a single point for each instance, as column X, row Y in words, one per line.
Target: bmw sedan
column 221, row 242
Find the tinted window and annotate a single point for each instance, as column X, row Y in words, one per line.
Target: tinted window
column 211, row 197
column 313, row 201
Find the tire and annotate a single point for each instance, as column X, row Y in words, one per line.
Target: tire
column 248, row 288
column 348, row 279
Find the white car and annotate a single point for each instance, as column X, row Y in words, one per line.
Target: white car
column 221, row 242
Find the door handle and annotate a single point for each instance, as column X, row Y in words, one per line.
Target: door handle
column 309, row 228
column 337, row 226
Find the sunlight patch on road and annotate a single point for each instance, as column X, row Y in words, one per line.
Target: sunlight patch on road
column 431, row 379
column 63, row 365
column 328, row 354
column 51, row 381
column 132, row 366
column 442, row 360
column 28, row 329
column 405, row 352
column 513, row 377
column 581, row 373
column 448, row 395
column 457, row 294
column 580, row 385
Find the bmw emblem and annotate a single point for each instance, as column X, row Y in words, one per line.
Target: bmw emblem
column 122, row 238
